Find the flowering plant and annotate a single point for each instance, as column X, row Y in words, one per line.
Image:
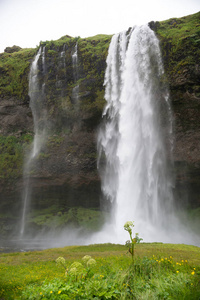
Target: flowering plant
column 128, row 227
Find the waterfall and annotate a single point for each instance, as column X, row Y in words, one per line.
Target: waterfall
column 133, row 138
column 37, row 96
column 75, row 91
column 43, row 60
column 61, row 78
column 63, row 57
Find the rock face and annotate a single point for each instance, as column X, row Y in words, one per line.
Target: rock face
column 15, row 116
column 70, row 95
column 180, row 41
column 72, row 92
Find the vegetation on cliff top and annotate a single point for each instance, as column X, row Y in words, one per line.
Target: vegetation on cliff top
column 14, row 69
column 180, row 44
column 180, row 40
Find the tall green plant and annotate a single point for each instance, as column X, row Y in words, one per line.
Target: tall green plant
column 131, row 243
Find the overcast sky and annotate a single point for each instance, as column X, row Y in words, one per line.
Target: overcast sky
column 27, row 22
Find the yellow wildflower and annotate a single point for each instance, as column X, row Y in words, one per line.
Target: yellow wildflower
column 193, row 273
column 59, row 292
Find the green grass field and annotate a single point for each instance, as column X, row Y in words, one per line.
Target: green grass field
column 160, row 271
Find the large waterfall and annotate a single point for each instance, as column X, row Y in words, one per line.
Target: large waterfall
column 133, row 161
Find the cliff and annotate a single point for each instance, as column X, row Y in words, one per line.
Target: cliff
column 65, row 175
column 180, row 41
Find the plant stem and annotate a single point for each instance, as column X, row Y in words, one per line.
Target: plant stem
column 133, row 252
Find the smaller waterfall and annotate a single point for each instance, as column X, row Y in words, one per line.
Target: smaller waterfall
column 43, row 60
column 63, row 57
column 75, row 91
column 60, row 79
column 37, row 96
column 33, row 85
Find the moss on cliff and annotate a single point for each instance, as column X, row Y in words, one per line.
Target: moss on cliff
column 14, row 69
column 77, row 217
column 12, row 150
column 180, row 41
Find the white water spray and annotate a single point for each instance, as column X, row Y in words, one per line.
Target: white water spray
column 135, row 141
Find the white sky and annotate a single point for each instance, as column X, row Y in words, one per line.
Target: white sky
column 27, row 22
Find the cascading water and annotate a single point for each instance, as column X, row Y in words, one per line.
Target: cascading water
column 60, row 80
column 63, row 57
column 36, row 93
column 75, row 91
column 133, row 138
column 43, row 60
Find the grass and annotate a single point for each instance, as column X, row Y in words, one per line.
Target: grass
column 180, row 28
column 161, row 271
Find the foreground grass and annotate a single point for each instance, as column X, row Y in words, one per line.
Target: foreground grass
column 161, row 271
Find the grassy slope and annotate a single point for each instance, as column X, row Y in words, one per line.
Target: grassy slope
column 180, row 28
column 20, row 269
column 180, row 41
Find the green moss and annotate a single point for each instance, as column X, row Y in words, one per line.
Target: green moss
column 56, row 217
column 177, row 28
column 14, row 69
column 43, row 155
column 55, row 140
column 179, row 42
column 52, row 52
column 11, row 155
column 58, row 43
column 93, row 52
